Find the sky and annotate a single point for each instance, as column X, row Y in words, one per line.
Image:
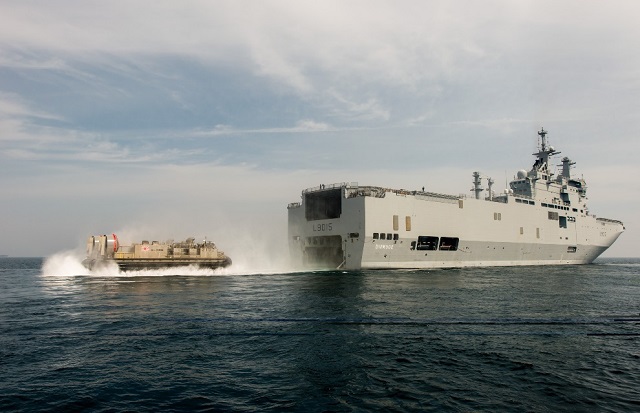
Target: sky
column 169, row 119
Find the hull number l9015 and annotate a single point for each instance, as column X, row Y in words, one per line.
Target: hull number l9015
column 322, row 227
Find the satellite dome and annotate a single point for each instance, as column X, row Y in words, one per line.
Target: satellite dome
column 522, row 174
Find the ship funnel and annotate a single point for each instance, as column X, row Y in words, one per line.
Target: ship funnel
column 490, row 183
column 566, row 167
column 477, row 184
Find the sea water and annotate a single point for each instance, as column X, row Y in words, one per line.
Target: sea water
column 560, row 338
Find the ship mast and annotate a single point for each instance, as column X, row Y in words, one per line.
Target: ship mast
column 543, row 136
column 541, row 164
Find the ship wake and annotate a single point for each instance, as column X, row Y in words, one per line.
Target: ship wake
column 69, row 263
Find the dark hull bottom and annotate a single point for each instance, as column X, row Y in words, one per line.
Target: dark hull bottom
column 150, row 264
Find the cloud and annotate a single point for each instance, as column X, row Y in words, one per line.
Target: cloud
column 141, row 99
column 12, row 107
column 302, row 126
column 289, row 42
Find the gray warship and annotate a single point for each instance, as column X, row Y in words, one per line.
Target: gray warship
column 105, row 249
column 542, row 218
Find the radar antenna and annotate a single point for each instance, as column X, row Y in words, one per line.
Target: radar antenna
column 543, row 135
column 542, row 161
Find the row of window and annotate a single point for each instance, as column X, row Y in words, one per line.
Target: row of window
column 564, row 208
column 424, row 242
column 527, row 202
column 382, row 235
column 497, row 216
column 431, row 243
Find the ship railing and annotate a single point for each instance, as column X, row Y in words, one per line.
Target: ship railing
column 355, row 190
column 611, row 221
column 434, row 196
column 425, row 194
column 380, row 192
column 372, row 191
column 330, row 186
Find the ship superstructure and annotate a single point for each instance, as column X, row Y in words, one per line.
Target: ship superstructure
column 541, row 219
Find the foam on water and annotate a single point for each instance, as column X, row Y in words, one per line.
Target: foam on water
column 64, row 263
column 69, row 263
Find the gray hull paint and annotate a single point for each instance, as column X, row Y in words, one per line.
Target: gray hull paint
column 523, row 236
column 482, row 254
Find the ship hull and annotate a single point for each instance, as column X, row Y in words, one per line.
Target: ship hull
column 157, row 263
column 497, row 255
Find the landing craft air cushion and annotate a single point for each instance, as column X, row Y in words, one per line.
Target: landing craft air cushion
column 105, row 249
column 541, row 219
